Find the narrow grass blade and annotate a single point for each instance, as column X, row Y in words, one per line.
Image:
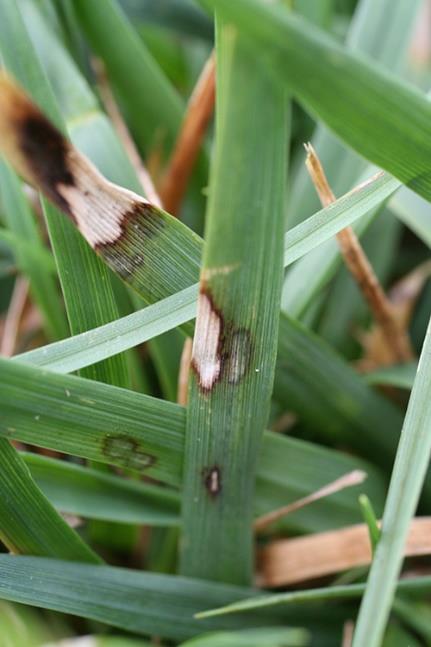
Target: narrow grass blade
column 28, row 522
column 181, row 15
column 124, row 228
column 413, row 586
column 414, row 212
column 80, row 272
column 406, row 483
column 265, row 637
column 330, row 398
column 384, row 119
column 235, row 342
column 94, row 494
column 43, row 287
column 93, row 346
column 400, row 376
column 119, row 427
column 144, row 603
column 380, row 29
column 92, row 420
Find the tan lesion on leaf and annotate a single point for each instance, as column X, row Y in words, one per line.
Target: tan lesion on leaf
column 206, row 354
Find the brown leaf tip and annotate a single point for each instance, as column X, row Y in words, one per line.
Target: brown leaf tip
column 212, row 480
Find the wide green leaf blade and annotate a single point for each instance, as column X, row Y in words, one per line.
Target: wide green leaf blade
column 385, row 120
column 144, row 603
column 235, row 341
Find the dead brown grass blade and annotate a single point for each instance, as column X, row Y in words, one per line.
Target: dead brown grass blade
column 362, row 270
column 348, row 480
column 290, row 561
column 199, row 112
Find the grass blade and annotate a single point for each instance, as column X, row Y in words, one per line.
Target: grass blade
column 144, row 603
column 235, row 342
column 407, row 480
column 28, row 522
column 94, row 494
column 382, row 118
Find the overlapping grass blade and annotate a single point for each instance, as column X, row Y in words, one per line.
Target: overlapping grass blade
column 92, row 346
column 330, row 398
column 28, row 522
column 91, row 419
column 413, row 586
column 144, row 603
column 414, row 212
column 182, row 15
column 382, row 118
column 43, row 287
column 408, row 475
column 81, row 273
column 94, row 494
column 264, row 637
column 235, row 342
column 386, row 40
column 119, row 427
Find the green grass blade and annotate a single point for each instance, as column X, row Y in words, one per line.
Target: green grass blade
column 153, row 106
column 182, row 15
column 406, row 483
column 264, row 637
column 413, row 586
column 414, row 212
column 92, row 420
column 119, row 427
column 81, row 273
column 94, row 494
column 235, row 342
column 43, row 287
column 144, row 603
column 93, row 346
column 329, row 396
column 382, row 118
column 381, row 29
column 402, row 376
column 28, row 522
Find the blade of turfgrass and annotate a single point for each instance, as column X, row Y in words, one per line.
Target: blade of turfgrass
column 262, row 637
column 124, row 228
column 20, row 220
column 120, row 427
column 28, row 522
column 386, row 41
column 317, row 384
column 94, row 494
column 414, row 586
column 80, row 272
column 235, row 341
column 181, row 15
column 138, row 258
column 408, row 475
column 144, row 603
column 382, row 118
column 90, row 347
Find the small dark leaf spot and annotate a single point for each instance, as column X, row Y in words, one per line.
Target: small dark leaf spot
column 126, row 451
column 212, row 480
